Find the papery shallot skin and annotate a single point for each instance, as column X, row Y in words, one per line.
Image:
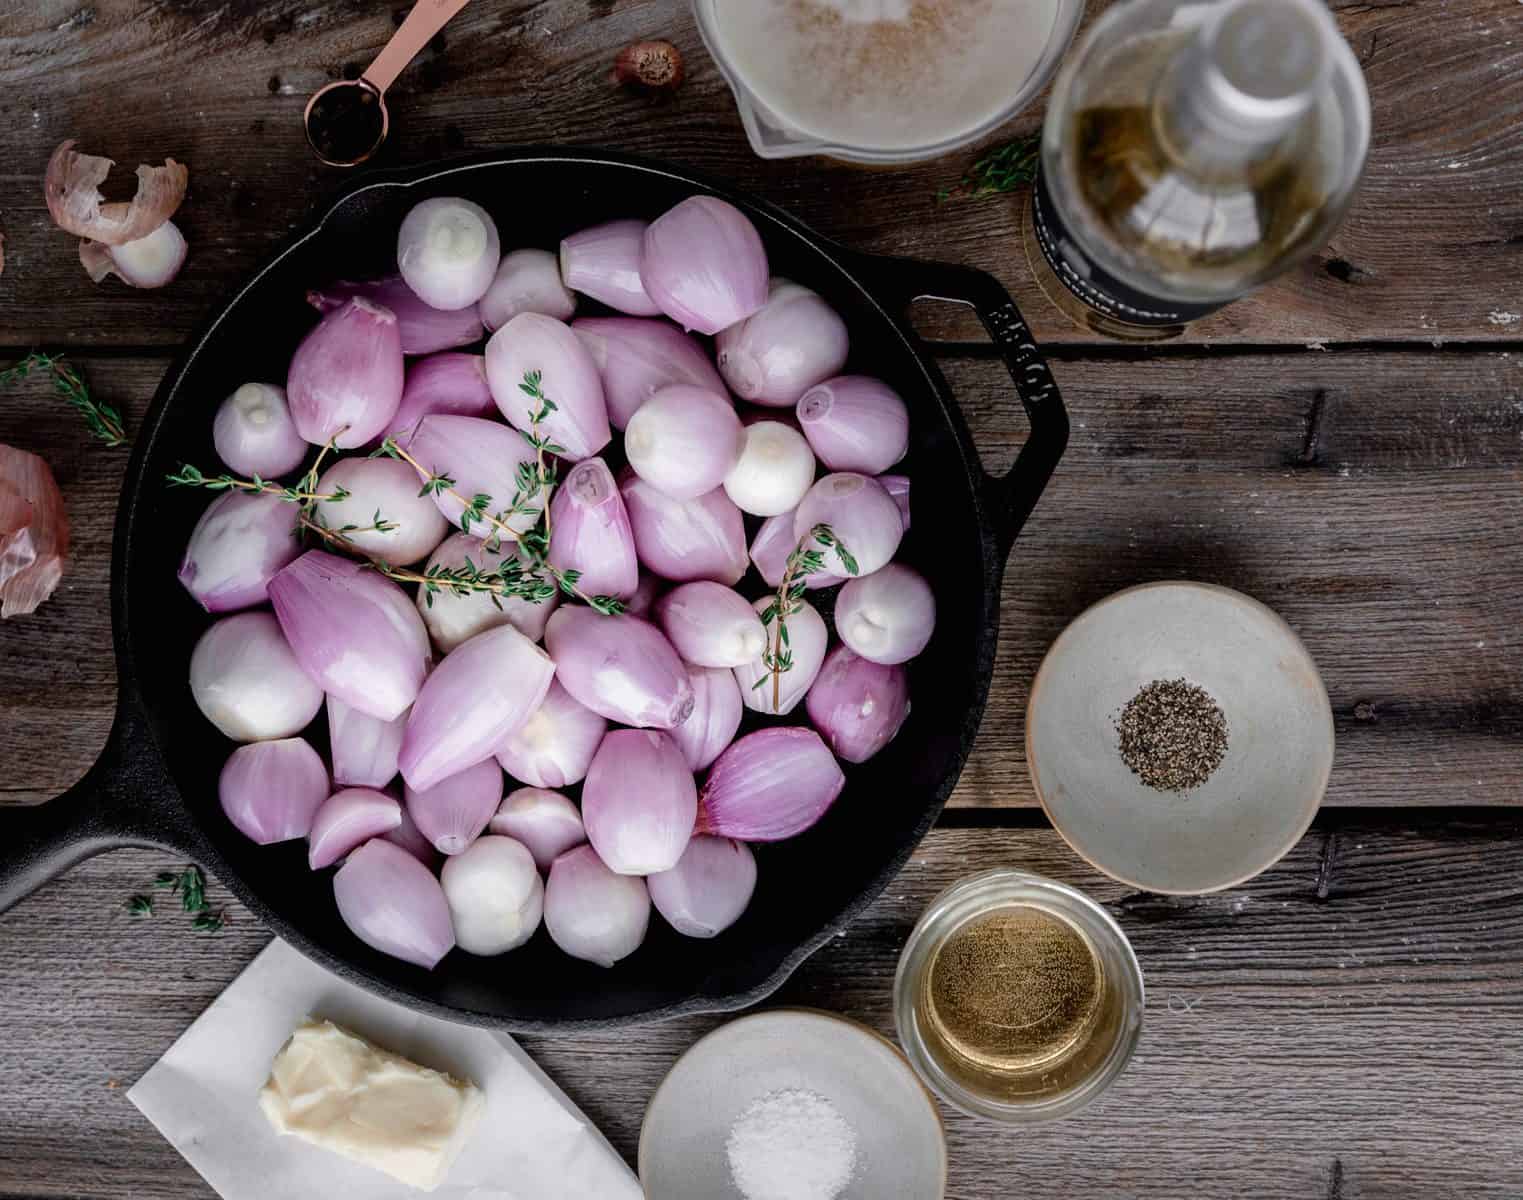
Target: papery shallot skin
column 34, row 532
column 72, row 188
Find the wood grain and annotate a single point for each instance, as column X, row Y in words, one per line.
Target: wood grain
column 1431, row 251
column 1345, row 1026
column 1372, row 499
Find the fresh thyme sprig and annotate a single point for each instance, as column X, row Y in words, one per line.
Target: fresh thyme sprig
column 803, row 562
column 299, row 493
column 527, row 575
column 189, row 884
column 100, row 418
column 1003, row 169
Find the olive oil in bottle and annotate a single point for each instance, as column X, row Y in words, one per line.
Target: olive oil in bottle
column 1191, row 152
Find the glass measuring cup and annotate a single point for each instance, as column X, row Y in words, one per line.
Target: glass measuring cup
column 778, row 127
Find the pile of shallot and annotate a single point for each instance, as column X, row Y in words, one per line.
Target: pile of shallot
column 495, row 600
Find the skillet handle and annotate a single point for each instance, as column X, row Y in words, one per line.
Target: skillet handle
column 1009, row 498
column 124, row 799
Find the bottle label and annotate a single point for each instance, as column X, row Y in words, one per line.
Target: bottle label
column 1090, row 282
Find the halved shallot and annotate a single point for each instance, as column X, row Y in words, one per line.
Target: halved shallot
column 393, row 903
column 480, row 694
column 770, row 785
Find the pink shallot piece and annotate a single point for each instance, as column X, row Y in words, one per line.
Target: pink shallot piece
column 34, row 532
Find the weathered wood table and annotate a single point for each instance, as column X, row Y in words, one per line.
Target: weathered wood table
column 1347, row 446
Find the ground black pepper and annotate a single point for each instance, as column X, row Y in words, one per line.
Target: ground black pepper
column 1172, row 734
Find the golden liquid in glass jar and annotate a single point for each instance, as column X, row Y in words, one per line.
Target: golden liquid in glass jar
column 1015, row 1004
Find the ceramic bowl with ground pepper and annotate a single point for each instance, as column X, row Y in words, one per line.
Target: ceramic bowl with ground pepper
column 1179, row 737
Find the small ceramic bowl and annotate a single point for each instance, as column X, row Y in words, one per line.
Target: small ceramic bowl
column 1258, row 802
column 901, row 1148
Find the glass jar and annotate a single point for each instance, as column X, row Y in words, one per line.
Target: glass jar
column 1062, row 953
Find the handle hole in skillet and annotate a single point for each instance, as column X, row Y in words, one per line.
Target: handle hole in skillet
column 946, row 321
column 956, row 337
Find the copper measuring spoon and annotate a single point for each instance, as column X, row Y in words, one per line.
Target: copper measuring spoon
column 346, row 121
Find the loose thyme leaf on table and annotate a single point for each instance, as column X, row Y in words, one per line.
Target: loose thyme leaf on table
column 100, row 418
column 1002, row 170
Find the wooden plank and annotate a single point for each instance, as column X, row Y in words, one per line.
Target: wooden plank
column 1373, row 501
column 1347, row 1025
column 1384, row 530
column 220, row 84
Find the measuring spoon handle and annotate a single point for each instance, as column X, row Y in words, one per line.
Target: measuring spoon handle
column 426, row 19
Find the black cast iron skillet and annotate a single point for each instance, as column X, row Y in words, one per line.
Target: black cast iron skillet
column 155, row 782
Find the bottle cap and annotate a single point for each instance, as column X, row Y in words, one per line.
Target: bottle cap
column 1261, row 64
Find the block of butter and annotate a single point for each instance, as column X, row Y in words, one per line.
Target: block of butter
column 337, row 1091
